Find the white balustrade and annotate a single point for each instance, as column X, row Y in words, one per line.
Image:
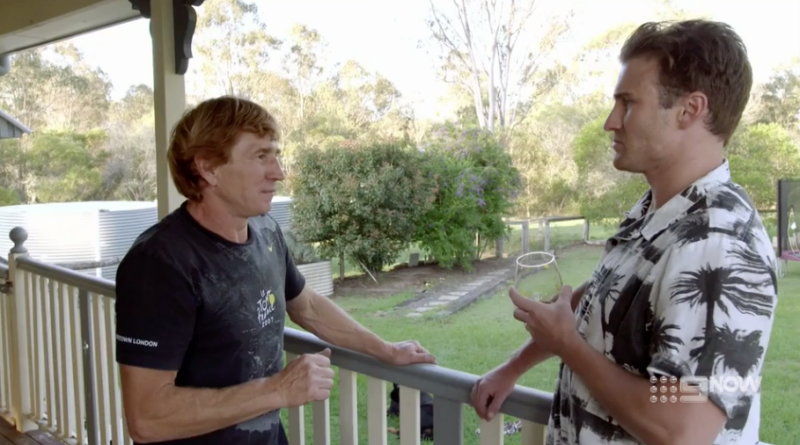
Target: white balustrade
column 58, row 372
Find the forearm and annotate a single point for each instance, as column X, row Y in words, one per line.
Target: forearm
column 328, row 321
column 626, row 397
column 178, row 412
column 531, row 354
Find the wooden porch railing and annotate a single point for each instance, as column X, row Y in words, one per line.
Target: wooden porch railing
column 58, row 371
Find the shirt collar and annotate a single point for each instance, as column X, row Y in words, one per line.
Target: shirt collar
column 651, row 224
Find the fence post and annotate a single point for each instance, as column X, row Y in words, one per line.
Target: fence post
column 18, row 324
column 498, row 249
column 526, row 237
column 585, row 230
column 546, row 235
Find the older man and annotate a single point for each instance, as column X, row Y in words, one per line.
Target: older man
column 203, row 294
column 686, row 289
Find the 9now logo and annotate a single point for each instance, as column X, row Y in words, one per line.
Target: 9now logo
column 695, row 389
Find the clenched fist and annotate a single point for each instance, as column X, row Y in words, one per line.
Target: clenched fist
column 308, row 378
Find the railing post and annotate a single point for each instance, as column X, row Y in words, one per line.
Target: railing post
column 18, row 323
column 448, row 421
column 87, row 345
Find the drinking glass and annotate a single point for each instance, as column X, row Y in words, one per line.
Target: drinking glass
column 537, row 276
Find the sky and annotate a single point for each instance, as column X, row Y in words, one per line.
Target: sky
column 392, row 37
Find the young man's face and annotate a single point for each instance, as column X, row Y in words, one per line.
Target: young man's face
column 645, row 133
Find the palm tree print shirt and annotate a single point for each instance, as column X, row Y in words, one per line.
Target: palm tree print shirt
column 687, row 290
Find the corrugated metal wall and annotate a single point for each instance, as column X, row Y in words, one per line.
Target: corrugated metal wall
column 118, row 230
column 78, row 231
column 318, row 277
column 282, row 212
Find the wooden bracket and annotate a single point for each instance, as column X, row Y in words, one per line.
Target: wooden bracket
column 184, row 20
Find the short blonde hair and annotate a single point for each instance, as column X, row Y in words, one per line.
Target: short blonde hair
column 210, row 130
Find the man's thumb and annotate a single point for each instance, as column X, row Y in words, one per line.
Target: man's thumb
column 326, row 352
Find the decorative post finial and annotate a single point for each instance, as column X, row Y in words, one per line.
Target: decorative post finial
column 18, row 236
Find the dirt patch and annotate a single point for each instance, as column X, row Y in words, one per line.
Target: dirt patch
column 419, row 280
column 425, row 278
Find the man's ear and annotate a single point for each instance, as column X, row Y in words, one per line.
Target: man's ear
column 206, row 170
column 693, row 108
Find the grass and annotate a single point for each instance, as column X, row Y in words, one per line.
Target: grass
column 485, row 334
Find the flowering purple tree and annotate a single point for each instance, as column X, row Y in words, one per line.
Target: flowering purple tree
column 476, row 184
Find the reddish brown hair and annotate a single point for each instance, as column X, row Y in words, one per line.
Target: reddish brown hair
column 210, row 130
column 698, row 55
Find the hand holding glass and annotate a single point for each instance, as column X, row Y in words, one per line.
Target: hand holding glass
column 537, row 276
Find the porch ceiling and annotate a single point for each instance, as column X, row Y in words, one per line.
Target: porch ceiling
column 26, row 24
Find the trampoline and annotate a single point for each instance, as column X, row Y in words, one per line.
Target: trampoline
column 788, row 208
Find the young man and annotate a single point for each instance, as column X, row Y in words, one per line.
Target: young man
column 686, row 288
column 202, row 297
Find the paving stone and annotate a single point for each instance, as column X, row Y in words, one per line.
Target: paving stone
column 450, row 297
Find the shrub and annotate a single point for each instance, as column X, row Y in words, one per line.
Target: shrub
column 364, row 200
column 475, row 184
column 604, row 193
column 301, row 252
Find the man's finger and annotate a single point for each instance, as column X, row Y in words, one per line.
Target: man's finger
column 481, row 400
column 565, row 294
column 426, row 357
column 420, row 348
column 529, row 328
column 493, row 407
column 523, row 316
column 526, row 304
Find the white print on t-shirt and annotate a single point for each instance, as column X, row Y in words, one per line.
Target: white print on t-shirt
column 137, row 341
column 266, row 306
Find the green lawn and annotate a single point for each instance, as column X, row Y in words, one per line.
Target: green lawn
column 483, row 335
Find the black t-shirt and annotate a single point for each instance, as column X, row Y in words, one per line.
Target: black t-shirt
column 190, row 301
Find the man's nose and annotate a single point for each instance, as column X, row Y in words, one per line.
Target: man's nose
column 276, row 171
column 613, row 121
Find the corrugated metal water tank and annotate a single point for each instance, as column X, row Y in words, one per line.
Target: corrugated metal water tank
column 78, row 231
column 281, row 210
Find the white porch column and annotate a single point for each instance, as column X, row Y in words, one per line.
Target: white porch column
column 170, row 100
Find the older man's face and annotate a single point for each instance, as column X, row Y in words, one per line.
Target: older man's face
column 248, row 180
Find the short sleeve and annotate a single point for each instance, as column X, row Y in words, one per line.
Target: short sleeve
column 155, row 312
column 713, row 302
column 295, row 281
